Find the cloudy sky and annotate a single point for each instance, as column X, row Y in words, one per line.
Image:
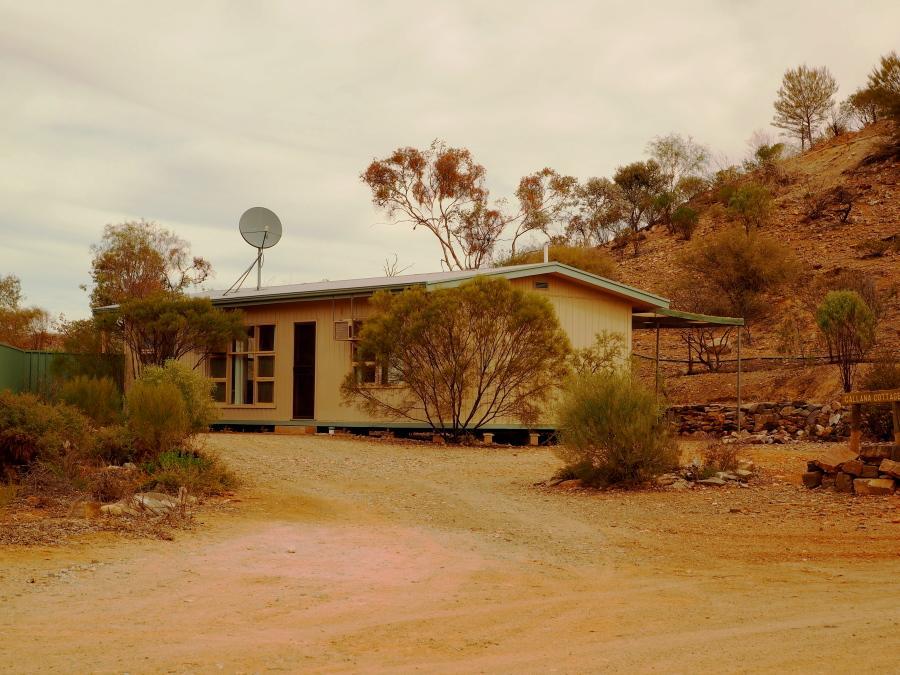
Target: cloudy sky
column 187, row 113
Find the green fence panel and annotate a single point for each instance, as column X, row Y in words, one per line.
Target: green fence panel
column 13, row 368
column 38, row 372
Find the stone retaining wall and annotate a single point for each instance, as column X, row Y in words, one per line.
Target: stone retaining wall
column 768, row 422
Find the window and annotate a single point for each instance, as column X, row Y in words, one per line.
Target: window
column 245, row 374
column 218, row 373
column 367, row 369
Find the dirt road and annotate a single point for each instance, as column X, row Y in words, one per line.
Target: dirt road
column 370, row 556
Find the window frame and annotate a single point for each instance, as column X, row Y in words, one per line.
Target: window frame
column 249, row 348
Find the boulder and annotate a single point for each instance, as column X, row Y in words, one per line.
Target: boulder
column 680, row 484
column 743, row 474
column 869, row 471
column 157, row 503
column 812, row 479
column 666, row 479
column 890, row 467
column 875, row 451
column 854, row 467
column 843, row 482
column 874, row 486
column 716, row 482
column 834, row 459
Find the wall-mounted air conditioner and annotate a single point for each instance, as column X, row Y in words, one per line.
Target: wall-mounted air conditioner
column 343, row 330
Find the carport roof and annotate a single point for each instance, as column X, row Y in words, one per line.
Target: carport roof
column 663, row 317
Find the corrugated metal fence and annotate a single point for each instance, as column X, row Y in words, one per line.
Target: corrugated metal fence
column 34, row 371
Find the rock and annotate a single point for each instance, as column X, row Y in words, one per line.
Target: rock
column 680, row 484
column 157, row 503
column 440, row 440
column 812, row 479
column 874, row 486
column 875, row 451
column 716, row 481
column 553, row 482
column 834, row 459
column 890, row 467
column 84, row 509
column 834, row 419
column 129, row 465
column 869, row 471
column 843, row 482
column 747, row 465
column 743, row 474
column 117, row 509
column 854, row 467
column 573, row 484
column 726, row 475
column 666, row 479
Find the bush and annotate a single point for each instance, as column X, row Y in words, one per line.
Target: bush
column 751, row 205
column 157, row 417
column 727, row 273
column 586, row 258
column 848, row 326
column 99, row 399
column 195, row 388
column 612, row 430
column 720, row 457
column 465, row 356
column 605, row 355
column 684, row 221
column 31, row 430
column 113, row 445
column 200, row 473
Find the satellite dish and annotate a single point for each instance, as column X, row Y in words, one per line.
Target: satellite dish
column 260, row 227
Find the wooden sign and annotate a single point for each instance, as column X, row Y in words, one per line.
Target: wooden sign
column 882, row 396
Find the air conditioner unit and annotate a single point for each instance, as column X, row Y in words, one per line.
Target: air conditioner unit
column 343, row 330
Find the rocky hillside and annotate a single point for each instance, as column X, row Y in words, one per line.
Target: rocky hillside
column 867, row 244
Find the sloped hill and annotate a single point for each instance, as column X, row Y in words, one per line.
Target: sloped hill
column 824, row 247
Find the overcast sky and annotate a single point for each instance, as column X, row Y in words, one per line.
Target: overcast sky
column 187, row 113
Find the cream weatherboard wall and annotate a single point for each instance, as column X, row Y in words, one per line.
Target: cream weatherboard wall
column 583, row 311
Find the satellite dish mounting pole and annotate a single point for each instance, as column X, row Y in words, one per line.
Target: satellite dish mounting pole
column 259, row 259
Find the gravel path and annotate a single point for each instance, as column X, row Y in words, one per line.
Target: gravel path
column 351, row 555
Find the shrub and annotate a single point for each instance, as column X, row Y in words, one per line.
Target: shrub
column 200, row 473
column 606, row 355
column 156, row 416
column 113, row 445
column 113, row 484
column 848, row 325
column 99, row 399
column 465, row 356
column 720, row 457
column 728, row 273
column 195, row 388
column 612, row 430
column 586, row 258
column 684, row 221
column 31, row 430
column 751, row 204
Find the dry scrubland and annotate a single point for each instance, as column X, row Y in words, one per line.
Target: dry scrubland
column 824, row 247
column 360, row 555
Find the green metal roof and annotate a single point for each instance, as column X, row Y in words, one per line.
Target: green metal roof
column 366, row 286
column 663, row 317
